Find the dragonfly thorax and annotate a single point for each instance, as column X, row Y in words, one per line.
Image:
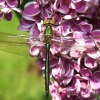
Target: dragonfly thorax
column 48, row 34
column 48, row 30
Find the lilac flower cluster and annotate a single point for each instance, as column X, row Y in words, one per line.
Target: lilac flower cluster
column 6, row 7
column 75, row 52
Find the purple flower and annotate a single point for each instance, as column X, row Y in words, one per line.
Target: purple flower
column 63, row 72
column 83, row 5
column 32, row 16
column 6, row 7
column 57, row 92
column 75, row 49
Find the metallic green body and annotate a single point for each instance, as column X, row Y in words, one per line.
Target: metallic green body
column 47, row 76
column 48, row 33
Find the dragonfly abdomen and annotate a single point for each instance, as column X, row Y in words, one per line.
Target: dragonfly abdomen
column 47, row 76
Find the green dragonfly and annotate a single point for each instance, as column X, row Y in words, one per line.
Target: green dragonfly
column 48, row 35
column 17, row 44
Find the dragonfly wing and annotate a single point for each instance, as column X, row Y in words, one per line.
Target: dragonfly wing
column 78, row 44
column 16, row 44
column 18, row 49
column 14, row 38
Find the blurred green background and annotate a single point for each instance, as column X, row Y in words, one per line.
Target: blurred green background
column 20, row 77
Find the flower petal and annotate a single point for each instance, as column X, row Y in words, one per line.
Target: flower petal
column 8, row 16
column 90, row 62
column 26, row 23
column 34, row 51
column 86, row 27
column 75, row 53
column 96, row 35
column 65, row 28
column 86, row 72
column 12, row 3
column 81, row 6
column 32, row 9
column 95, row 83
column 76, row 66
column 94, row 54
column 54, row 62
column 97, row 74
column 62, row 6
column 34, row 30
column 40, row 62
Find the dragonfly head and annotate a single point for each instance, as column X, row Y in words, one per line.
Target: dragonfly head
column 49, row 22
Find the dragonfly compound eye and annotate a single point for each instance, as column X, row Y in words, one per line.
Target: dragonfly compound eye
column 48, row 21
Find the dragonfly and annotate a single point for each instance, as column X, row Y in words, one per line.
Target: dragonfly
column 48, row 35
column 18, row 44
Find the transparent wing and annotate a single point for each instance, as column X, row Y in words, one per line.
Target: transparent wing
column 17, row 43
column 14, row 43
column 78, row 43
